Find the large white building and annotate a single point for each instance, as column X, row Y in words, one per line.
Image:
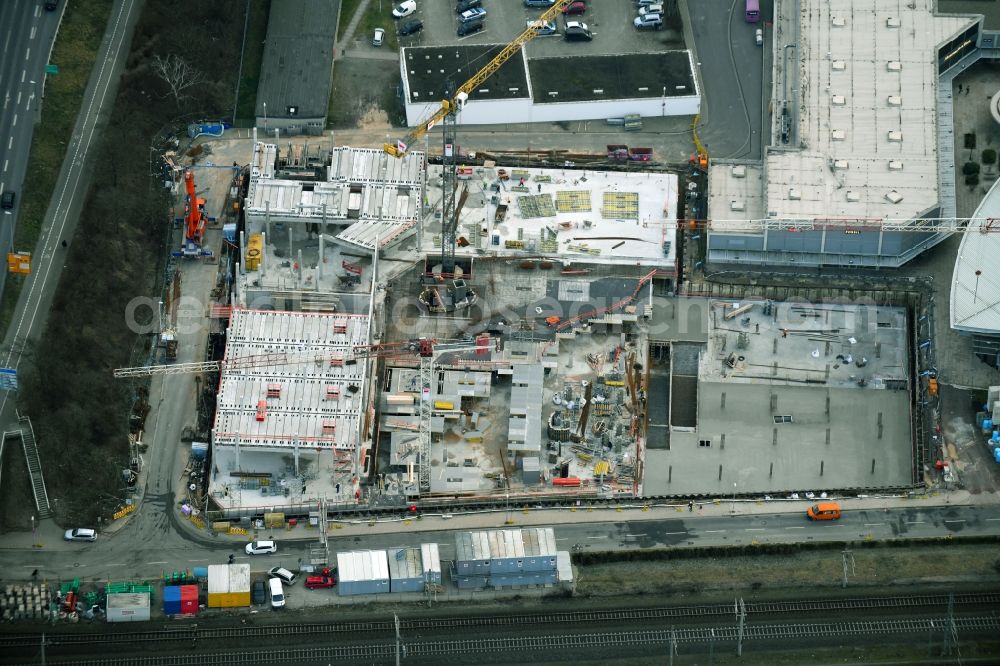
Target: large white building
column 862, row 138
column 526, row 90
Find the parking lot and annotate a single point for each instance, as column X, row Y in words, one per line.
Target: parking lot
column 609, row 22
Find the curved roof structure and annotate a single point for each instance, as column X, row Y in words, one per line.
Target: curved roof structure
column 975, row 284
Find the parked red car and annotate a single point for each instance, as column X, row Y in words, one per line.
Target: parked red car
column 325, row 579
column 578, row 7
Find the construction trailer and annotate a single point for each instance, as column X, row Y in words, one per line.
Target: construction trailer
column 362, row 572
column 128, row 607
column 228, row 585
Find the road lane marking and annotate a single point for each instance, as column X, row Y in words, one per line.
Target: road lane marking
column 635, row 535
column 673, row 533
column 597, row 537
column 714, row 531
column 14, row 123
column 199, row 560
column 756, row 529
column 563, row 539
column 10, row 142
column 33, row 31
column 873, row 524
column 24, row 73
column 914, row 522
column 5, row 165
column 27, row 54
column 18, row 98
column 992, row 519
column 799, row 527
column 114, row 565
column 955, row 521
column 155, row 562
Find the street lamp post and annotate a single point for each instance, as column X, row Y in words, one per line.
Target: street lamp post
column 732, row 508
column 33, row 525
column 265, row 117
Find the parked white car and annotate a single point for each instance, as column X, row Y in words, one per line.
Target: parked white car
column 379, row 37
column 404, row 8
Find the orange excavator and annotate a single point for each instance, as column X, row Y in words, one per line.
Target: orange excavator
column 195, row 221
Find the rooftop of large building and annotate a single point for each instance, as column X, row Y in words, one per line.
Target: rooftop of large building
column 865, row 96
column 975, row 287
column 582, row 216
column 295, row 77
column 605, row 77
column 429, row 69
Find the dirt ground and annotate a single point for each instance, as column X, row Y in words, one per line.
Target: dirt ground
column 364, row 94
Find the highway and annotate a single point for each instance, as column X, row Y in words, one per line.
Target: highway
column 74, row 176
column 28, row 33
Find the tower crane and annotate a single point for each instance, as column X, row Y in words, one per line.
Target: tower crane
column 459, row 294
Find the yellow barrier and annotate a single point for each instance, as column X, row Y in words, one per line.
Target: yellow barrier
column 124, row 512
column 238, row 531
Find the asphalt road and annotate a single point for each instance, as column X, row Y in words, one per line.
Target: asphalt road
column 735, row 87
column 28, row 36
column 74, row 177
column 153, row 547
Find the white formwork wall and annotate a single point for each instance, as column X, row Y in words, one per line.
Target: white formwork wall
column 496, row 112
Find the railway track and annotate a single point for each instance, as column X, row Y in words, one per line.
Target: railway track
column 630, row 615
column 561, row 642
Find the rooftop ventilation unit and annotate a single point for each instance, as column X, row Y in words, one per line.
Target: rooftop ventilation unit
column 892, row 196
column 892, row 22
column 794, row 194
column 895, row 165
column 895, row 100
column 739, row 171
column 737, row 205
column 838, row 135
column 839, row 65
column 895, row 135
column 837, row 21
column 894, row 66
column 853, row 195
column 839, row 100
column 840, row 164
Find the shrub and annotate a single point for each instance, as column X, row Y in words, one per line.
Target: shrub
column 970, row 168
column 989, row 156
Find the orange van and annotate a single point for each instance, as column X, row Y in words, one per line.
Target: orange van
column 824, row 511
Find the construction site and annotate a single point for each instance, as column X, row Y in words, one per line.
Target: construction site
column 393, row 325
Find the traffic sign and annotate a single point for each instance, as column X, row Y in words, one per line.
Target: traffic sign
column 52, row 69
column 8, row 379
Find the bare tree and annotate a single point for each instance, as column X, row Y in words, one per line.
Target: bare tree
column 177, row 73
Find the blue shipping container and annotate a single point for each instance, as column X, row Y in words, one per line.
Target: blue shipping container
column 172, row 600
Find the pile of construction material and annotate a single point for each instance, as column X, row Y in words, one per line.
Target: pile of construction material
column 24, row 601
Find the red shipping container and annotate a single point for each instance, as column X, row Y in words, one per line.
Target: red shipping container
column 189, row 599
